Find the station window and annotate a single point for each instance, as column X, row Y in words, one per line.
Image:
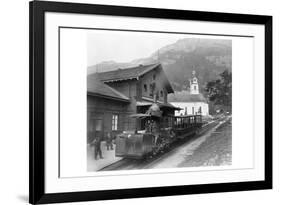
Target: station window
column 98, row 125
column 114, row 122
column 154, row 77
column 161, row 93
column 151, row 90
column 145, row 87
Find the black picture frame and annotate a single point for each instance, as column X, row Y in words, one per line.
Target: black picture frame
column 37, row 9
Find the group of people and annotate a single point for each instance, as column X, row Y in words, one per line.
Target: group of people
column 97, row 144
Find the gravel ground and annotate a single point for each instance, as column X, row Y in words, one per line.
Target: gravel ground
column 215, row 151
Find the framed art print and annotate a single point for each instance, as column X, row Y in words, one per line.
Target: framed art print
column 139, row 102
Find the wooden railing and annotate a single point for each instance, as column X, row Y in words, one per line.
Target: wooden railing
column 180, row 121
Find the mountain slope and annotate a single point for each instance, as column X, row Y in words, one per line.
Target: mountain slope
column 208, row 57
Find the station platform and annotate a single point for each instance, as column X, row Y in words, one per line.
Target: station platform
column 97, row 164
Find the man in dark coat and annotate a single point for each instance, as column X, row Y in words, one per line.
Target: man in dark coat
column 109, row 143
column 97, row 146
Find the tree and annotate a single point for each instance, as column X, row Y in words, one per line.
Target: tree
column 219, row 91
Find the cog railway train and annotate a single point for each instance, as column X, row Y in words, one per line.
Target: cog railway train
column 160, row 132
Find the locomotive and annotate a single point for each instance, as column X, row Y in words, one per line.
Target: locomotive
column 159, row 133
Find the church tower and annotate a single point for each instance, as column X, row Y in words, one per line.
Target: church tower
column 194, row 87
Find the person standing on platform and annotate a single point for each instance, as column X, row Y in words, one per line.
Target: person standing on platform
column 97, row 145
column 109, row 143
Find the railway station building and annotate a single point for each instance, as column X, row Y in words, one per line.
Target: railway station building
column 115, row 95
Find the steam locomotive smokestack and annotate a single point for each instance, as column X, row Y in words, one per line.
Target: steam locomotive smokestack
column 154, row 98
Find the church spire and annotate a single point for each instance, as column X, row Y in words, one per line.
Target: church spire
column 194, row 87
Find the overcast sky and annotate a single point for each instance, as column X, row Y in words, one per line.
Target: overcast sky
column 123, row 46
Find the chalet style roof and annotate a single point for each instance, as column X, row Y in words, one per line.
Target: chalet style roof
column 185, row 96
column 131, row 73
column 125, row 74
column 97, row 88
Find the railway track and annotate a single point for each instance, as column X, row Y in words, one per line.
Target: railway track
column 129, row 164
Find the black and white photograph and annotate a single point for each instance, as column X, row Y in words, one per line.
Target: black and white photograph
column 155, row 102
column 158, row 100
